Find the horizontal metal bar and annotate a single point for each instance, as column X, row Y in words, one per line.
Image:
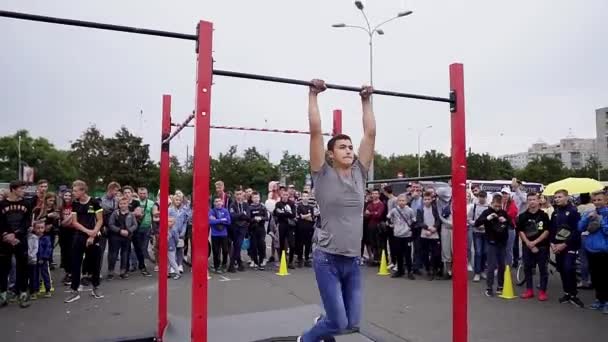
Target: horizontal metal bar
column 329, row 86
column 268, row 130
column 410, row 179
column 95, row 25
column 179, row 128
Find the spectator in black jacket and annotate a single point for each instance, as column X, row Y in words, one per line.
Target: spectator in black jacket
column 306, row 214
column 239, row 215
column 285, row 214
column 497, row 224
column 565, row 243
column 15, row 220
column 257, row 231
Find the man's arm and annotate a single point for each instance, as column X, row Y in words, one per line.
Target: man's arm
column 76, row 225
column 317, row 151
column 99, row 223
column 368, row 142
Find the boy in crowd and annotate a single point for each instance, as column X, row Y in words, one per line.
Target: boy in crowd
column 497, row 224
column 15, row 220
column 533, row 229
column 173, row 237
column 219, row 220
column 121, row 226
column 239, row 216
column 87, row 219
column 306, row 214
column 479, row 240
column 565, row 243
column 285, row 213
column 403, row 219
column 429, row 224
column 32, row 258
column 595, row 222
column 374, row 212
column 257, row 231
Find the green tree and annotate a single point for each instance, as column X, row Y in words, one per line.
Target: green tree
column 436, row 163
column 543, row 170
column 294, row 169
column 89, row 152
column 486, row 167
column 48, row 162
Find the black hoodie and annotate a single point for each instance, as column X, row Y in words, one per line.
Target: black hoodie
column 239, row 214
column 257, row 210
column 15, row 217
column 284, row 216
column 497, row 233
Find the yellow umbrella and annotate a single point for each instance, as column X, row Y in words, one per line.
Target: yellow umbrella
column 574, row 186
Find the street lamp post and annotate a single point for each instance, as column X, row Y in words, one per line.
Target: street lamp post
column 370, row 32
column 419, row 136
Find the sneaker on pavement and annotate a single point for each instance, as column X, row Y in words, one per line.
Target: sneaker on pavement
column 470, row 268
column 74, row 296
column 542, row 296
column 577, row 302
column 499, row 290
column 299, row 339
column 489, row 293
column 318, row 318
column 597, row 305
column 145, row 273
column 110, row 276
column 24, row 300
column 180, row 269
column 564, row 299
column 528, row 294
column 476, row 278
column 95, row 293
column 48, row 294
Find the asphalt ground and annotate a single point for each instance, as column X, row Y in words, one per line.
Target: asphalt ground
column 402, row 309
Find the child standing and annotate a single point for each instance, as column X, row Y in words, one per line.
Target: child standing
column 40, row 250
column 402, row 218
column 172, row 247
column 122, row 224
column 429, row 224
column 219, row 219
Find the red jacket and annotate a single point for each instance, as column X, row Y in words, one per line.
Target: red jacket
column 511, row 209
column 375, row 213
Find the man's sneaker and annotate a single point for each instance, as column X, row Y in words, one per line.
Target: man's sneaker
column 176, row 276
column 124, row 276
column 74, row 296
column 261, row 268
column 484, row 276
column 318, row 318
column 231, row 269
column 397, row 275
column 33, row 296
column 392, row 267
column 307, row 263
column 263, row 263
column 145, row 273
column 574, row 300
column 252, row 264
column 542, row 296
column 489, row 293
column 299, row 339
column 597, row 305
column 528, row 294
column 3, row 299
column 564, row 299
column 476, row 278
column 110, row 276
column 499, row 290
column 96, row 293
column 48, row 294
column 24, row 300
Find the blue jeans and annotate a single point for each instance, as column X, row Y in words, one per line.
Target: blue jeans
column 237, row 237
column 566, row 265
column 469, row 244
column 510, row 243
column 479, row 240
column 339, row 282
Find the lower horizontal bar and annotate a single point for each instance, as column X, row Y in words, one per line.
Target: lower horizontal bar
column 329, row 86
column 95, row 25
column 268, row 130
column 410, row 179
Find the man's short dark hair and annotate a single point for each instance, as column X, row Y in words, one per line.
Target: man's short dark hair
column 142, row 188
column 332, row 142
column 427, row 194
column 388, row 189
column 532, row 194
column 304, row 192
column 14, row 185
column 562, row 191
column 43, row 181
column 255, row 193
column 482, row 194
column 497, row 198
column 376, row 190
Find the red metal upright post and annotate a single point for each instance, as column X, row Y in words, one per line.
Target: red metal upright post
column 337, row 127
column 201, row 173
column 459, row 203
column 164, row 218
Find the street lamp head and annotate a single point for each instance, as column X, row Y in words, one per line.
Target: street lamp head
column 404, row 13
column 380, row 31
column 359, row 5
column 339, row 25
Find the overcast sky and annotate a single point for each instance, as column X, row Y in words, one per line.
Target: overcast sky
column 533, row 69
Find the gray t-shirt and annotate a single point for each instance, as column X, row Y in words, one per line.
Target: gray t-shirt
column 341, row 201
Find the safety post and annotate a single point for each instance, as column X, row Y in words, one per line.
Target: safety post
column 201, row 175
column 337, row 122
column 164, row 218
column 459, row 210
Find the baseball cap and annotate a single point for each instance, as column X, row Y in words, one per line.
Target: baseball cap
column 506, row 190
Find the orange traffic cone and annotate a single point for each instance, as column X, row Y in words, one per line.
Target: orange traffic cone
column 283, row 267
column 507, row 290
column 383, row 271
